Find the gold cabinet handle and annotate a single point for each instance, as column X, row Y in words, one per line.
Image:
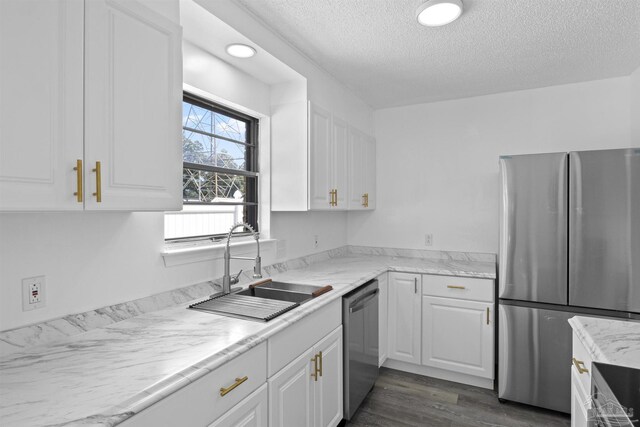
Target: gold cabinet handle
column 487, row 315
column 78, row 170
column 320, row 370
column 366, row 200
column 98, row 171
column 315, row 372
column 224, row 391
column 335, row 195
column 455, row 287
column 579, row 366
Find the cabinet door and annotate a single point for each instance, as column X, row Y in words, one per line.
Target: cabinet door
column 41, row 76
column 369, row 179
column 328, row 388
column 251, row 412
column 457, row 335
column 356, row 167
column 320, row 153
column 580, row 402
column 340, row 145
column 291, row 394
column 383, row 285
column 133, row 103
column 404, row 317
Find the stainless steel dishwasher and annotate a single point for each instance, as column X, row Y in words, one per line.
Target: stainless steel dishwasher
column 360, row 318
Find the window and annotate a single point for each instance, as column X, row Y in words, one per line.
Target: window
column 220, row 172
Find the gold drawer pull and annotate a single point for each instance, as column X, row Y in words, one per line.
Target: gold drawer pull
column 224, row 391
column 579, row 366
column 78, row 170
column 98, row 171
column 315, row 372
column 320, row 369
column 455, row 287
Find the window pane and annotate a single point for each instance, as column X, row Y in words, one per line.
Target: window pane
column 197, row 118
column 230, row 128
column 205, row 220
column 207, row 187
column 207, row 150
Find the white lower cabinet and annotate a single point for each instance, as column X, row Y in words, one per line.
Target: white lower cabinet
column 308, row 391
column 404, row 317
column 580, row 402
column 383, row 310
column 212, row 396
column 442, row 326
column 291, row 394
column 251, row 412
column 458, row 335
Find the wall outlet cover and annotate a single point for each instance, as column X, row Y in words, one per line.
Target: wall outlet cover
column 428, row 239
column 33, row 293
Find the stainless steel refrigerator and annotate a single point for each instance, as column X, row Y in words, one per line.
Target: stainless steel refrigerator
column 569, row 245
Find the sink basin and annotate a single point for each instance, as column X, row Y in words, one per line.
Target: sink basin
column 281, row 291
column 262, row 301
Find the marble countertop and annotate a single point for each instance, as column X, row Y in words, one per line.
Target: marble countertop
column 104, row 376
column 615, row 342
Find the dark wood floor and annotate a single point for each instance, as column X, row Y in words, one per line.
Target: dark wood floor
column 404, row 399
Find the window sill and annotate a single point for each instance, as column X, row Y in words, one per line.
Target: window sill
column 174, row 255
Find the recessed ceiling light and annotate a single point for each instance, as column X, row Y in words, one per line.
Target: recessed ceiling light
column 435, row 13
column 240, row 50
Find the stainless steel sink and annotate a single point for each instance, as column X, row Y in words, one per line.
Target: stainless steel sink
column 281, row 291
column 264, row 301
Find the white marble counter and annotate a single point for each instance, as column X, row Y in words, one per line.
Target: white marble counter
column 615, row 342
column 106, row 375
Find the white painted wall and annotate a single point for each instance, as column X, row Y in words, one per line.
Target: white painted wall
column 635, row 107
column 438, row 163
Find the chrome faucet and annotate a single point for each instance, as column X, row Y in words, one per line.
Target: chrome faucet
column 227, row 280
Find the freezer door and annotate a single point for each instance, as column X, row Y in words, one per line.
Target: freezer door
column 604, row 229
column 533, row 228
column 534, row 357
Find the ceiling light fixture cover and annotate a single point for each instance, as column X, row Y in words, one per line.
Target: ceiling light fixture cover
column 435, row 13
column 240, row 50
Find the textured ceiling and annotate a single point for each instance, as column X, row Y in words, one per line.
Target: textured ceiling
column 376, row 47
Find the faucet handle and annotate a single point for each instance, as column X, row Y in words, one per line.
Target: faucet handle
column 236, row 279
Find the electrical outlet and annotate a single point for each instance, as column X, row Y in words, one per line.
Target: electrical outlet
column 428, row 239
column 33, row 293
column 315, row 241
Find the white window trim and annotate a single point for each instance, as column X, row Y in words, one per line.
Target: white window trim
column 186, row 253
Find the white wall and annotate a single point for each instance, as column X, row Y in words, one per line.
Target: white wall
column 437, row 164
column 635, row 107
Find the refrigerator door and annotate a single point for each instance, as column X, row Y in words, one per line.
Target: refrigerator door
column 534, row 357
column 533, row 228
column 604, row 229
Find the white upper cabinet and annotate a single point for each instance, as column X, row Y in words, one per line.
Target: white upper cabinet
column 327, row 160
column 133, row 103
column 127, row 60
column 362, row 171
column 41, row 102
column 321, row 159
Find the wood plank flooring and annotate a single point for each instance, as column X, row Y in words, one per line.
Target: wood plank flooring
column 404, row 399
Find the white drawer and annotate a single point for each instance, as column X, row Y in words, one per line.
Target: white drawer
column 200, row 403
column 458, row 287
column 299, row 337
column 583, row 360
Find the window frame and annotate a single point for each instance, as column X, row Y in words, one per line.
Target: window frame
column 251, row 202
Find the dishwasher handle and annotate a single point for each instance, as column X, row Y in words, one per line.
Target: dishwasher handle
column 363, row 300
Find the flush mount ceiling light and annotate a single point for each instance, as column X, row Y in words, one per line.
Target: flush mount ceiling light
column 240, row 50
column 435, row 13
